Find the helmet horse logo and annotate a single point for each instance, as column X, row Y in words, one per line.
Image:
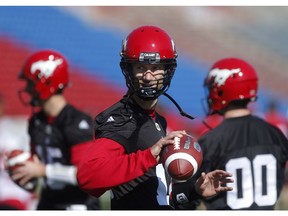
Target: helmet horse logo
column 46, row 68
column 221, row 75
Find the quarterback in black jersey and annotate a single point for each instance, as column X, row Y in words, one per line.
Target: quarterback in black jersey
column 131, row 134
column 59, row 134
column 254, row 151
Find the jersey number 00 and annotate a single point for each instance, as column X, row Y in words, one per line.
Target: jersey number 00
column 255, row 181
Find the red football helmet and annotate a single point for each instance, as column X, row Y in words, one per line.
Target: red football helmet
column 148, row 45
column 230, row 79
column 46, row 73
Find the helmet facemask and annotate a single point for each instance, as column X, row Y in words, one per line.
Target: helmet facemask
column 28, row 95
column 156, row 87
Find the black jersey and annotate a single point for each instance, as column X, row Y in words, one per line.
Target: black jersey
column 129, row 125
column 53, row 142
column 255, row 153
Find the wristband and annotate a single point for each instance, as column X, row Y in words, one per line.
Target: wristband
column 61, row 173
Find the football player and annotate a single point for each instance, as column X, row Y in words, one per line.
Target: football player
column 59, row 134
column 254, row 151
column 131, row 134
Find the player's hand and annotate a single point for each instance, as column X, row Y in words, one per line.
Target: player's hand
column 169, row 139
column 29, row 170
column 211, row 183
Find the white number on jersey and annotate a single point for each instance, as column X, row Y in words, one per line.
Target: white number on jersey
column 255, row 181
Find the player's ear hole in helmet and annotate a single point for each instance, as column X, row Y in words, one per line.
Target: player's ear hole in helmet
column 148, row 45
column 46, row 73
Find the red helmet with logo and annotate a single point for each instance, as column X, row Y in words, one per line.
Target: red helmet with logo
column 148, row 45
column 47, row 73
column 230, row 79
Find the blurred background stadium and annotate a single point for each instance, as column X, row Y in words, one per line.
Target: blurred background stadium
column 91, row 36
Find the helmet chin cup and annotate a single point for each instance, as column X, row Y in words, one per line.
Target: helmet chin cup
column 148, row 93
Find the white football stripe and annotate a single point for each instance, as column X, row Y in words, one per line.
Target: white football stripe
column 181, row 155
column 19, row 159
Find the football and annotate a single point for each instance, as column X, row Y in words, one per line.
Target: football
column 14, row 160
column 183, row 158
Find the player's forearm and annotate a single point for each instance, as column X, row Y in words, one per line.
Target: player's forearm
column 110, row 172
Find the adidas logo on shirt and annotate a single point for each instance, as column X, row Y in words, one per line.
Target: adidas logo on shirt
column 110, row 119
